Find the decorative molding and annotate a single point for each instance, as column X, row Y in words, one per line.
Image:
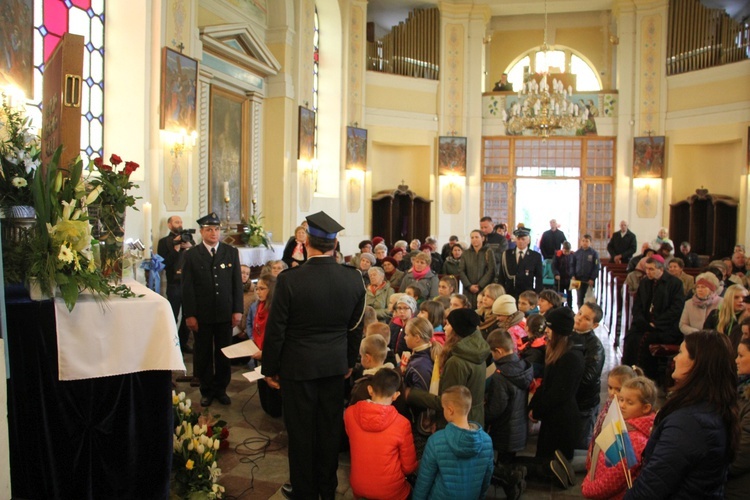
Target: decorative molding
column 256, row 142
column 204, row 90
column 399, row 82
column 454, row 77
column 239, row 45
column 650, row 70
column 401, row 119
column 710, row 75
column 357, row 24
column 709, row 116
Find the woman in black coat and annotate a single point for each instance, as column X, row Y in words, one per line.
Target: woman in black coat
column 554, row 403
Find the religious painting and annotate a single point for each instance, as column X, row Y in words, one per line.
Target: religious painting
column 179, row 79
column 306, row 139
column 648, row 157
column 17, row 45
column 452, row 156
column 356, row 148
column 227, row 154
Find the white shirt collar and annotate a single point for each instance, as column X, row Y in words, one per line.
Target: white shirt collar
column 209, row 247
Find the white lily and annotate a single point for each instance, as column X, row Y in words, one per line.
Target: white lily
column 91, row 198
column 67, row 210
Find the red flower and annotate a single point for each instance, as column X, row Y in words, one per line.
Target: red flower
column 210, row 432
column 224, row 433
column 116, row 160
column 130, row 167
column 106, row 168
column 99, row 162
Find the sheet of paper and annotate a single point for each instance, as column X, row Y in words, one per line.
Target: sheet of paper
column 253, row 375
column 241, row 349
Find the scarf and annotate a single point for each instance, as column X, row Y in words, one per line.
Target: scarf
column 374, row 288
column 419, row 276
column 298, row 254
column 705, row 303
column 259, row 324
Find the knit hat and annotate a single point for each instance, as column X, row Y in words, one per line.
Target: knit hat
column 560, row 320
column 397, row 250
column 376, row 240
column 391, row 260
column 364, row 243
column 464, row 321
column 369, row 257
column 409, row 301
column 709, row 280
column 504, row 305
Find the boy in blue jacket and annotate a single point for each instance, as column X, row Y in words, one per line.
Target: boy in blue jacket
column 457, row 462
column 585, row 267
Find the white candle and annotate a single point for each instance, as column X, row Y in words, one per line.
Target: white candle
column 226, row 190
column 147, row 230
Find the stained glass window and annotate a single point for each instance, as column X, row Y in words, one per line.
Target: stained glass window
column 52, row 19
column 316, row 74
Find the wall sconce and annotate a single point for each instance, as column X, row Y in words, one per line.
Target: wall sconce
column 308, row 182
column 451, row 190
column 354, row 181
column 181, row 142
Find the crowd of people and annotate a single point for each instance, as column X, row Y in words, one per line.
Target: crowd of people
column 433, row 368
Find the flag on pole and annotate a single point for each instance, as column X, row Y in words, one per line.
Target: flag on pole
column 614, row 439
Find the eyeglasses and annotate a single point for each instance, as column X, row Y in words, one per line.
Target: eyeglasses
column 403, row 308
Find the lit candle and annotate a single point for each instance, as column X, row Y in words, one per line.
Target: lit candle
column 226, row 191
column 147, row 230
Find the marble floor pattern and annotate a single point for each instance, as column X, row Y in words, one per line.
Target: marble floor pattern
column 255, row 464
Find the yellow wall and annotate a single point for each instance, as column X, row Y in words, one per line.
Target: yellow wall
column 727, row 91
column 401, row 99
column 394, row 164
column 210, row 18
column 716, row 167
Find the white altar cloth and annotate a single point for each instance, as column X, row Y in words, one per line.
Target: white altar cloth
column 117, row 336
column 259, row 256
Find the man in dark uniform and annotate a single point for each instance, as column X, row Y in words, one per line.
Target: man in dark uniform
column 622, row 246
column 312, row 339
column 521, row 268
column 551, row 241
column 172, row 248
column 212, row 306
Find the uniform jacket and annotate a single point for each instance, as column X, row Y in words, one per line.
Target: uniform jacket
column 622, row 245
column 379, row 300
column 588, row 393
column 467, row 367
column 457, row 464
column 586, row 264
column 610, row 482
column 211, row 286
column 505, row 411
column 314, row 328
column 382, row 451
column 738, row 485
column 519, row 277
column 554, row 403
column 667, row 299
column 685, row 457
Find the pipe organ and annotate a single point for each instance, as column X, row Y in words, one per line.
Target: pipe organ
column 412, row 48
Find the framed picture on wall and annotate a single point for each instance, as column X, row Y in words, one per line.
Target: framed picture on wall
column 356, row 148
column 452, row 155
column 17, row 68
column 306, row 139
column 179, row 80
column 648, row 157
column 228, row 172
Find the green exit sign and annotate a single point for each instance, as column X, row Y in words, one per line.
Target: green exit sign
column 548, row 173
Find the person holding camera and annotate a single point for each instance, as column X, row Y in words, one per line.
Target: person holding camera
column 172, row 248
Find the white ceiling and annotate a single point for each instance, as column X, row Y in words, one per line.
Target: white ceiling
column 388, row 13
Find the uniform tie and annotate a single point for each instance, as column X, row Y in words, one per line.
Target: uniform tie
column 520, row 256
column 213, row 252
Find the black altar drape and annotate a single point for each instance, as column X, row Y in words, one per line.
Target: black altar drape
column 108, row 437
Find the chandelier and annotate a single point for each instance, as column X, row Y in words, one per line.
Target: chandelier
column 542, row 108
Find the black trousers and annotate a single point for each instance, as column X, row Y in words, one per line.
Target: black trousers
column 211, row 366
column 174, row 296
column 313, row 412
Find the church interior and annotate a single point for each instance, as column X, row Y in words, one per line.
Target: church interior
column 389, row 116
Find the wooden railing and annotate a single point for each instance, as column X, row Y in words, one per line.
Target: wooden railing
column 700, row 37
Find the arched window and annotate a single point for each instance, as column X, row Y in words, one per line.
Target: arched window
column 316, row 74
column 560, row 60
column 85, row 18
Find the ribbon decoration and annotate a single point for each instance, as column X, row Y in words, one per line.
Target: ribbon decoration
column 155, row 265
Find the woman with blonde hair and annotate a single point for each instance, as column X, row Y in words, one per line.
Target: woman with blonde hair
column 421, row 276
column 726, row 319
column 295, row 253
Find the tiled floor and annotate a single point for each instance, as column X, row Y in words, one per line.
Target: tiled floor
column 255, row 465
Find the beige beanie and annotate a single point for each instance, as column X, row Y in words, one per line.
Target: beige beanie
column 504, row 305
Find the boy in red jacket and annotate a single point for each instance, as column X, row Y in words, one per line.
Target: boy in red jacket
column 382, row 446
